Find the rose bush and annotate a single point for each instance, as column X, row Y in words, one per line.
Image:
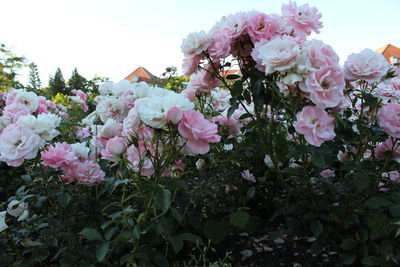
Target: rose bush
column 293, row 145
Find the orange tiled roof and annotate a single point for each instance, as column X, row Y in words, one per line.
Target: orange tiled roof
column 140, row 75
column 389, row 51
column 225, row 73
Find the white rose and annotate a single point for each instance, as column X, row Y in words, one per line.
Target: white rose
column 119, row 88
column 3, row 225
column 105, row 88
column 110, row 129
column 195, row 43
column 278, row 55
column 29, row 99
column 80, row 150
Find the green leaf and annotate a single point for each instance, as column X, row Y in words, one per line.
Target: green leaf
column 64, row 199
column 372, row 260
column 176, row 215
column 369, row 99
column 176, row 242
column 91, row 234
column 317, row 248
column 236, row 89
column 348, row 259
column 316, row 227
column 192, row 238
column 136, row 232
column 377, row 202
column 239, row 219
column 361, row 180
column 216, row 231
column 348, row 244
column 160, row 260
column 317, row 158
column 379, row 224
column 163, row 199
column 234, row 106
column 251, row 192
column 102, row 251
column 110, row 232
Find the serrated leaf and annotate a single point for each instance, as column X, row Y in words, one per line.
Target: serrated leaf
column 176, row 242
column 380, row 225
column 216, row 231
column 192, row 238
column 163, row 199
column 110, row 232
column 316, row 227
column 377, row 202
column 369, row 99
column 102, row 251
column 91, row 234
column 348, row 244
column 64, row 199
column 372, row 260
column 239, row 219
column 236, row 89
column 176, row 214
column 317, row 158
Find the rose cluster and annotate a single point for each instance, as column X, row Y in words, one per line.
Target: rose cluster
column 27, row 123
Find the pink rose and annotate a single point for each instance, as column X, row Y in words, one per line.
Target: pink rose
column 303, row 19
column 247, row 175
column 235, row 24
column 15, row 110
column 131, row 123
column 327, row 173
column 195, row 43
column 138, row 162
column 83, row 133
column 316, row 125
column 190, row 65
column 114, row 147
column 314, row 54
column 60, row 155
column 17, row 144
column 326, row 86
column 367, row 65
column 261, row 26
column 198, row 131
column 174, row 115
column 221, row 45
column 256, row 55
column 15, row 208
column 387, row 148
column 88, row 173
column 389, row 119
column 204, row 80
column 392, row 175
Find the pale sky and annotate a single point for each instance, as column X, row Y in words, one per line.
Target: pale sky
column 113, row 38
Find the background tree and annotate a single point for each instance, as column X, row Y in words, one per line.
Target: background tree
column 9, row 65
column 34, row 78
column 57, row 83
column 77, row 81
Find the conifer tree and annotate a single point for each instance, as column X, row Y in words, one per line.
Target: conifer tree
column 57, row 83
column 34, row 78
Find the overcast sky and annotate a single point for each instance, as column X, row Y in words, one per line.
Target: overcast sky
column 112, row 38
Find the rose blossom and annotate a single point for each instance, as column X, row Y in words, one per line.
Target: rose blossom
column 247, row 175
column 17, row 144
column 15, row 208
column 221, row 45
column 190, row 64
column 114, row 147
column 278, row 55
column 327, row 173
column 195, row 43
column 314, row 54
column 315, row 124
column 389, row 119
column 303, row 19
column 58, row 156
column 387, row 148
column 138, row 161
column 325, row 86
column 392, row 175
column 3, row 225
column 261, row 26
column 198, row 131
column 367, row 65
column 88, row 173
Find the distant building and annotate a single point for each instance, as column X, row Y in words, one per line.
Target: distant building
column 141, row 75
column 391, row 53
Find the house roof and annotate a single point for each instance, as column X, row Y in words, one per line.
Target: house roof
column 140, row 75
column 225, row 73
column 389, row 51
